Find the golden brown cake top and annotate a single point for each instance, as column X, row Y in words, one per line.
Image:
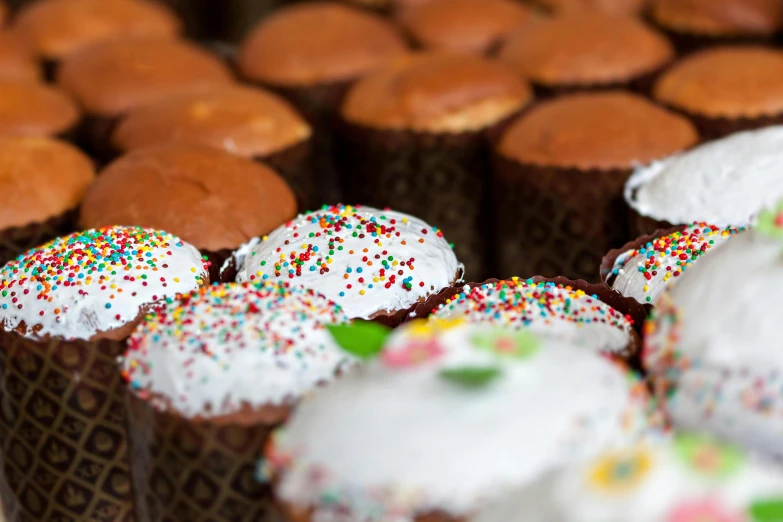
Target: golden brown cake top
column 58, row 28
column 581, row 6
column 242, row 120
column 464, row 25
column 588, row 49
column 209, row 198
column 437, row 92
column 317, row 43
column 41, row 178
column 604, row 130
column 17, row 60
column 719, row 17
column 113, row 78
column 29, row 108
column 733, row 82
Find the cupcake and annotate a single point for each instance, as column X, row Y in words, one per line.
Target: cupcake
column 416, row 138
column 726, row 89
column 376, row 264
column 569, row 311
column 642, row 269
column 467, row 390
column 692, row 478
column 209, row 376
column 311, row 53
column 567, row 7
column 711, row 345
column 56, row 29
column 693, row 24
column 43, row 181
column 116, row 77
column 17, row 60
column 592, row 50
column 212, row 199
column 29, row 108
column 724, row 182
column 464, row 25
column 245, row 121
column 560, row 169
column 66, row 309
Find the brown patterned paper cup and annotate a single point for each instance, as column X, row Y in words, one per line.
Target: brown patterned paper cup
column 295, row 165
column 196, row 471
column 557, row 221
column 18, row 240
column 63, row 431
column 715, row 128
column 641, row 84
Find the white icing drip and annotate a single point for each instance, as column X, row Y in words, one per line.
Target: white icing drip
column 667, row 485
column 724, row 182
column 234, row 345
column 631, row 282
column 239, row 255
column 389, row 442
column 435, row 265
column 96, row 299
column 726, row 339
column 599, row 328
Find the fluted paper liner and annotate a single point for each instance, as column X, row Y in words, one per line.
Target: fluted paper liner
column 18, row 240
column 63, row 431
column 713, row 128
column 440, row 178
column 557, row 221
column 196, row 471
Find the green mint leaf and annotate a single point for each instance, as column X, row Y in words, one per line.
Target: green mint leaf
column 362, row 339
column 770, row 510
column 471, row 376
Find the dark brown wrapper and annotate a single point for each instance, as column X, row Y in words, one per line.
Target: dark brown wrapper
column 63, row 431
column 94, row 137
column 557, row 221
column 295, row 165
column 687, row 43
column 441, row 178
column 196, row 471
column 714, row 128
column 641, row 225
column 18, row 240
column 216, row 260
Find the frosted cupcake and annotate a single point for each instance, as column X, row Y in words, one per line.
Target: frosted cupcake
column 723, row 182
column 692, row 478
column 66, row 309
column 210, row 375
column 467, row 390
column 376, row 264
column 712, row 345
column 567, row 311
column 644, row 268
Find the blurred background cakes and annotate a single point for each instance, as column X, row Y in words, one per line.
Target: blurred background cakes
column 29, row 108
column 311, row 53
column 416, row 138
column 560, row 171
column 693, row 24
column 711, row 347
column 246, row 121
column 561, row 7
column 723, row 182
column 177, row 187
column 587, row 51
column 43, row 182
column 413, row 441
column 17, row 59
column 66, row 309
column 209, row 376
column 725, row 89
column 376, row 264
column 464, row 25
column 111, row 79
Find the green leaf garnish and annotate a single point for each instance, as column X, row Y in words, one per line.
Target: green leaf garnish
column 770, row 222
column 362, row 339
column 770, row 510
column 471, row 376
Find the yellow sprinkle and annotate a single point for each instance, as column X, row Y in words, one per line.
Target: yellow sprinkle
column 361, row 292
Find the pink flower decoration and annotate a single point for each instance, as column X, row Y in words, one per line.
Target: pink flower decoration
column 412, row 354
column 705, row 510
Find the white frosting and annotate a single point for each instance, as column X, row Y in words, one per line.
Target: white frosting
column 546, row 309
column 95, row 281
column 690, row 479
column 395, row 439
column 236, row 345
column 715, row 340
column 644, row 273
column 358, row 257
column 724, row 182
